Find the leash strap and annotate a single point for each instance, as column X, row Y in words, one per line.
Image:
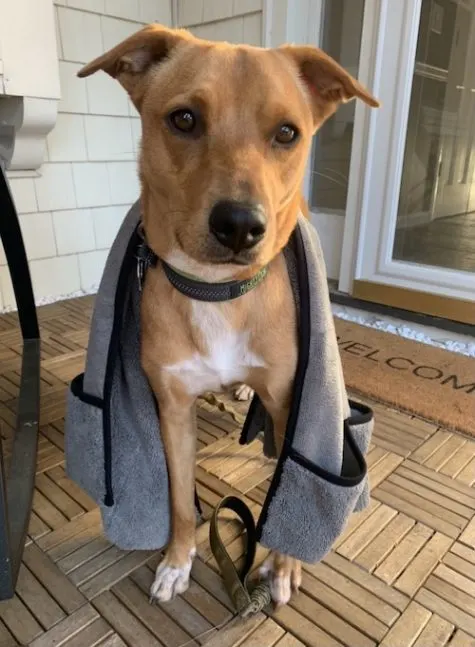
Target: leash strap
column 245, row 601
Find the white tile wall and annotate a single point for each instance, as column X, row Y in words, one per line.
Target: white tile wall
column 81, row 35
column 97, row 6
column 155, row 11
column 241, row 7
column 67, row 141
column 128, row 9
column 74, row 231
column 105, row 96
column 73, row 90
column 91, row 183
column 114, row 31
column 124, row 183
column 55, row 187
column 55, row 276
column 109, row 138
column 214, row 10
column 190, row 12
column 38, row 235
column 136, row 134
column 106, row 221
column 24, row 194
column 252, row 29
column 91, row 266
column 70, row 213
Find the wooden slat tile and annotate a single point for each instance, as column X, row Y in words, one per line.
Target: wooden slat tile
column 58, row 475
column 211, row 582
column 408, row 628
column 151, row 616
column 447, row 610
column 54, row 581
column 266, row 635
column 404, row 553
column 461, row 639
column 345, row 609
column 459, row 581
column 359, row 539
column 467, row 474
column 235, row 632
column 108, row 577
column 383, row 468
column 432, row 445
column 58, row 497
column 460, row 565
column 330, row 622
column 468, row 535
column 423, row 564
column 113, row 641
column 289, row 641
column 46, row 610
column 384, row 543
column 452, row 594
column 303, row 628
column 439, row 482
column 123, row 621
column 70, row 626
column 37, row 527
column 88, row 524
column 444, row 453
column 359, row 595
column 20, row 621
column 368, row 581
column 449, row 507
column 206, row 605
column 355, row 521
column 178, row 609
column 47, row 512
column 6, row 639
column 436, row 633
column 92, row 636
column 83, row 554
column 419, row 509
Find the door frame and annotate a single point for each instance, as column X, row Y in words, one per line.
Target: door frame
column 300, row 21
column 389, row 44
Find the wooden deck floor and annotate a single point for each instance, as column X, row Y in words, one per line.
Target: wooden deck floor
column 402, row 575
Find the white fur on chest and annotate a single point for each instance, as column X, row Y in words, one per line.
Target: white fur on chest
column 226, row 359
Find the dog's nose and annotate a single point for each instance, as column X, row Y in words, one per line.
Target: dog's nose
column 237, row 225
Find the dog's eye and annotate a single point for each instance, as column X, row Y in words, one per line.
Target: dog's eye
column 286, row 134
column 183, row 120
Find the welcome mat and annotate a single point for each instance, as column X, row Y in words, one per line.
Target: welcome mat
column 429, row 382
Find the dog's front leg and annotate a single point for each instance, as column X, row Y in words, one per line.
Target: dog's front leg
column 178, row 431
column 282, row 572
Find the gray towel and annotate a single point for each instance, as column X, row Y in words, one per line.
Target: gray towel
column 113, row 444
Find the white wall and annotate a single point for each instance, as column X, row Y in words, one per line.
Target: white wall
column 70, row 213
column 236, row 21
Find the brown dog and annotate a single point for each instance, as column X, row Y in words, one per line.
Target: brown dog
column 226, row 131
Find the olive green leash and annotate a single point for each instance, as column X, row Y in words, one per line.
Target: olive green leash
column 247, row 600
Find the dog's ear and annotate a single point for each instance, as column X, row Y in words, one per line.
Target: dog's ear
column 131, row 59
column 328, row 83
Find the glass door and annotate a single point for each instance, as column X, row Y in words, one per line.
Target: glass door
column 341, row 25
column 416, row 243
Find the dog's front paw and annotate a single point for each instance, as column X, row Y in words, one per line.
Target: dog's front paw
column 283, row 574
column 243, row 393
column 171, row 579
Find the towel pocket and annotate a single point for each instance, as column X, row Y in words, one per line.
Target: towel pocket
column 84, row 440
column 310, row 507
